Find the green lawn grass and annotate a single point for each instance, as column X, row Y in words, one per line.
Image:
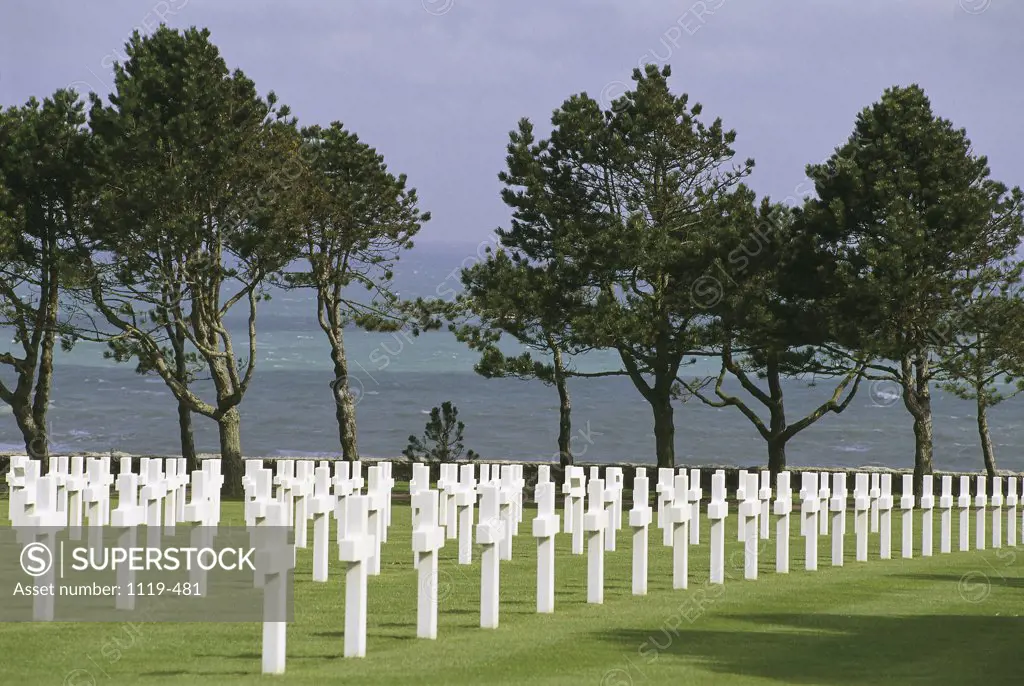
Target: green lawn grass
column 948, row 619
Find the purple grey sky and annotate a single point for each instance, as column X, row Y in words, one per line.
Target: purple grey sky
column 435, row 85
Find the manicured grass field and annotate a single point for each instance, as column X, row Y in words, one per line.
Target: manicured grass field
column 948, row 619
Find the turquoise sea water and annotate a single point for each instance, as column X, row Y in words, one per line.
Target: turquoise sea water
column 289, row 409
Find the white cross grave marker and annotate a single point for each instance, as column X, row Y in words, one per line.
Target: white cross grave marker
column 375, row 517
column 427, row 539
column 764, row 494
column 741, row 496
column 613, row 505
column 997, row 512
column 810, row 504
column 355, row 548
column 465, row 500
column 981, row 511
column 59, row 469
column 419, row 482
column 284, row 479
column 718, row 510
column 594, row 522
column 545, row 526
column 126, row 518
column 171, row 498
column 152, row 498
column 964, row 503
column 1011, row 512
column 861, row 508
column 927, row 506
column 489, row 532
column 272, row 568
column 884, row 505
column 506, row 501
column 388, row 483
column 907, row 506
column 782, row 507
column 946, row 515
column 639, row 521
column 696, row 493
column 447, row 482
column 302, row 489
column 76, row 483
column 825, row 496
column 750, row 510
column 321, row 507
column 18, row 487
column 679, row 519
column 838, row 507
column 45, row 520
column 874, row 493
column 666, row 480
column 575, row 482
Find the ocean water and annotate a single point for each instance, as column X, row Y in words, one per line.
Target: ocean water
column 98, row 405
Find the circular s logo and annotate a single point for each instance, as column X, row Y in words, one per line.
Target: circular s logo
column 36, row 559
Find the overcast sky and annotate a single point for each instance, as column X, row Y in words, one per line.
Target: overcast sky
column 435, row 85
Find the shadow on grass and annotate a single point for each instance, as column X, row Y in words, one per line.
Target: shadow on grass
column 179, row 672
column 972, row 584
column 836, row 649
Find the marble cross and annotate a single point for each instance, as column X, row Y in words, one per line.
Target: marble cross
column 321, row 507
column 427, row 539
column 997, row 512
column 838, row 507
column 272, row 574
column 981, row 511
column 946, row 515
column 465, row 501
column 907, row 506
column 718, row 511
column 594, row 522
column 679, row 519
column 782, row 508
column 810, row 503
column 545, row 526
column 861, row 509
column 964, row 503
column 489, row 532
column 696, row 494
column 639, row 521
column 750, row 510
column 356, row 544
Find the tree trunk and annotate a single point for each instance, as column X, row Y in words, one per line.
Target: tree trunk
column 664, row 430
column 188, row 444
column 987, row 450
column 229, row 427
column 564, row 413
column 181, row 372
column 918, row 401
column 345, row 405
column 777, row 418
column 37, row 443
column 776, row 457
